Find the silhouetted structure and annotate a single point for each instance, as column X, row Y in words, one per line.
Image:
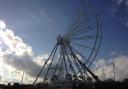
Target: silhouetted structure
column 74, row 85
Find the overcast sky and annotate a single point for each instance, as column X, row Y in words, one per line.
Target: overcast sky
column 35, row 24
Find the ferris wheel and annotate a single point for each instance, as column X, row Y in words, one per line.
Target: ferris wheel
column 75, row 50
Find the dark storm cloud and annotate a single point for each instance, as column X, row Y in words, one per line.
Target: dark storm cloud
column 23, row 63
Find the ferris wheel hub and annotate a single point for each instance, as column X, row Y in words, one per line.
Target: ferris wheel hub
column 63, row 40
column 59, row 37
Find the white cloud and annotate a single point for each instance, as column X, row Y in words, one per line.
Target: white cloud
column 117, row 4
column 127, row 24
column 124, row 21
column 120, row 1
column 104, row 68
column 17, row 56
column 127, row 3
column 113, row 53
column 14, row 43
column 119, row 7
column 2, row 24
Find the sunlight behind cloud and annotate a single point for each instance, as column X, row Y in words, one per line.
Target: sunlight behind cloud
column 16, row 57
column 104, row 68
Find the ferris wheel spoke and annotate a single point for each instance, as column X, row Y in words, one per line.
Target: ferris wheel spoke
column 54, row 49
column 70, row 63
column 78, row 52
column 89, row 62
column 89, row 29
column 79, row 21
column 85, row 37
column 84, row 58
column 53, row 57
column 76, row 59
column 64, row 59
column 84, row 25
column 84, row 29
column 84, row 46
column 93, row 59
column 78, row 18
column 60, row 57
column 78, row 66
column 81, row 28
column 82, row 18
column 81, row 24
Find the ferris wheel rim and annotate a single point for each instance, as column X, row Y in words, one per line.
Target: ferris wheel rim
column 97, row 40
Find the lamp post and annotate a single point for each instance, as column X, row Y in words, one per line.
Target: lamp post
column 113, row 70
